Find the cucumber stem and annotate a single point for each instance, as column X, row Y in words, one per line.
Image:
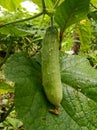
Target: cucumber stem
column 55, row 111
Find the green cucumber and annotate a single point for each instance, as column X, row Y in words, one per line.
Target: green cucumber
column 51, row 77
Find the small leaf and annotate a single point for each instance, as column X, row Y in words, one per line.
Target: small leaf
column 14, row 122
column 94, row 2
column 5, row 88
column 70, row 12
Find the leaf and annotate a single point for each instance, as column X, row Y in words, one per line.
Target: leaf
column 93, row 15
column 80, row 108
column 13, row 30
column 20, row 63
column 11, row 5
column 70, row 12
column 84, row 30
column 48, row 3
column 14, row 122
column 30, row 102
column 37, row 2
column 77, row 112
column 33, row 109
column 94, row 2
column 77, row 72
column 5, row 88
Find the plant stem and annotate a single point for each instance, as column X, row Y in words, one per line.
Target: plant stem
column 52, row 20
column 22, row 20
column 56, row 4
column 43, row 5
column 61, row 38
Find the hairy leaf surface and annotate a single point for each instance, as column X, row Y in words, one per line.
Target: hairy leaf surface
column 77, row 72
column 30, row 101
column 77, row 110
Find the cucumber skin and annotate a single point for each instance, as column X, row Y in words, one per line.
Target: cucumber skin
column 51, row 77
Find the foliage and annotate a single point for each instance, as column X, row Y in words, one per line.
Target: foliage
column 5, row 88
column 69, row 13
column 79, row 102
column 84, row 30
column 11, row 5
column 78, row 108
column 12, row 121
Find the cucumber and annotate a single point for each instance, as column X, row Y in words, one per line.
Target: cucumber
column 51, row 77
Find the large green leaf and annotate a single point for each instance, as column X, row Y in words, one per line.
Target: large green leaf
column 77, row 72
column 30, row 101
column 81, row 109
column 22, row 64
column 77, row 111
column 70, row 12
column 11, row 5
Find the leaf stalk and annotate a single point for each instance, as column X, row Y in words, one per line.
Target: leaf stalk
column 22, row 20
